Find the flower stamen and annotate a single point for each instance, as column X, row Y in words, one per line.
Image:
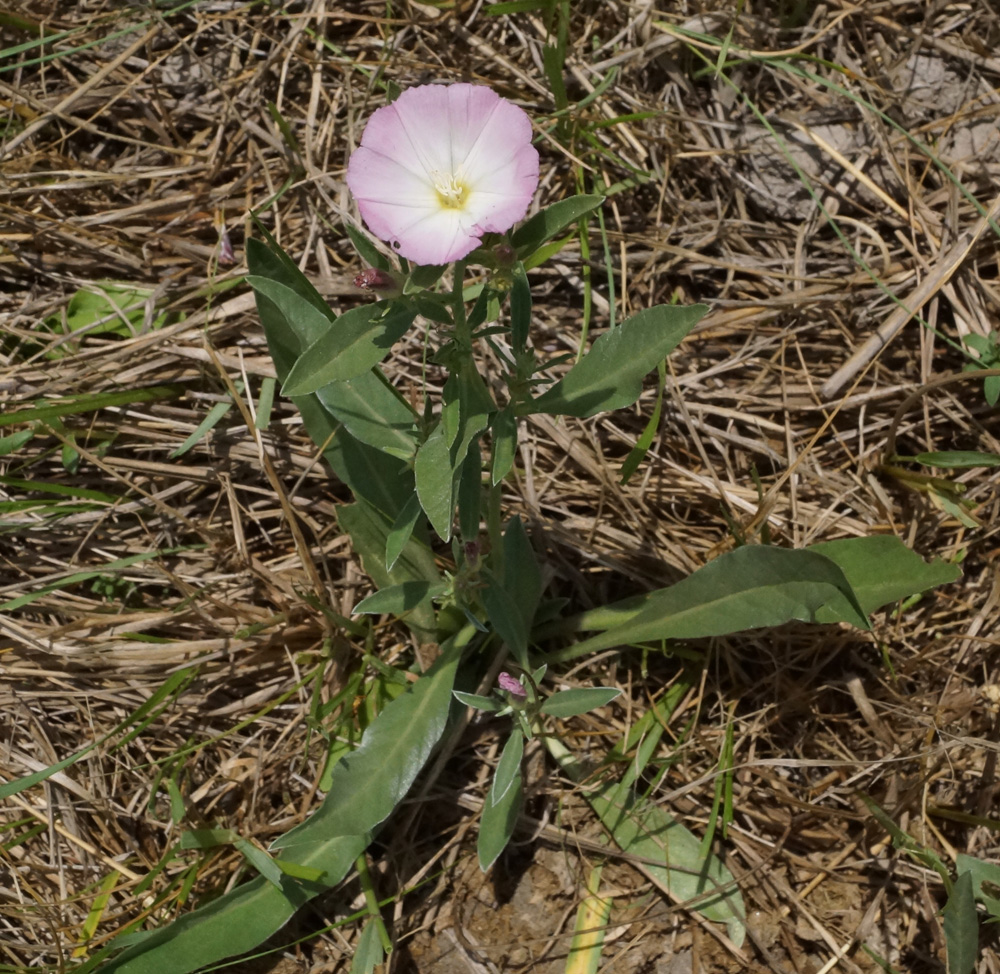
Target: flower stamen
column 451, row 190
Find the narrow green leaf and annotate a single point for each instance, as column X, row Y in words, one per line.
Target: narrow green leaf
column 359, row 339
column 296, row 871
column 372, row 413
column 647, row 831
column 520, row 309
column 260, row 861
column 308, row 323
column 504, row 431
column 488, row 704
column 497, row 824
column 961, row 927
column 880, row 570
column 211, row 420
column 207, row 838
column 569, row 703
column 470, row 493
column 435, row 482
column 402, row 530
column 369, row 953
column 550, row 222
column 751, row 587
column 368, row 783
column 369, row 531
column 111, row 566
column 397, row 599
column 508, row 767
column 265, row 402
column 366, row 248
column 610, row 375
column 638, row 453
column 174, row 683
column 47, row 410
column 957, row 459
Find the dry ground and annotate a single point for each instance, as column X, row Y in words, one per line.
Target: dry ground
column 139, row 130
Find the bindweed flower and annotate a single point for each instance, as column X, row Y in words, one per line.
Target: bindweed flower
column 512, row 685
column 441, row 166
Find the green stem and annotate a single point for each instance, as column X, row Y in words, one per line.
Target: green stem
column 371, row 901
column 463, row 334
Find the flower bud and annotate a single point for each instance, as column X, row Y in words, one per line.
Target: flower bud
column 385, row 284
column 506, row 682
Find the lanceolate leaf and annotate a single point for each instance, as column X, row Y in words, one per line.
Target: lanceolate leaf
column 369, row 782
column 365, row 787
column 238, row 921
column 880, row 570
column 748, row 588
column 372, row 413
column 649, row 832
column 508, row 767
column 569, row 703
column 497, row 824
column 357, row 340
column 551, row 221
column 610, row 375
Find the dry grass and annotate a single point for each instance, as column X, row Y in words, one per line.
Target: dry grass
column 138, row 135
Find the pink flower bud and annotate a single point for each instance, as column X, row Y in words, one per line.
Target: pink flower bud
column 383, row 283
column 512, row 686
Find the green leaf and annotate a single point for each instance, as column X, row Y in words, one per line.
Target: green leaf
column 270, row 261
column 435, row 482
column 305, row 321
column 372, row 413
column 397, row 599
column 569, row 703
column 751, row 587
column 488, row 704
column 359, row 339
column 261, row 862
column 981, row 872
column 238, row 921
column 957, row 459
column 207, row 838
column 401, row 531
column 511, row 600
column 646, row 831
column 638, row 453
column 369, row 530
column 366, row 248
column 520, row 310
column 497, row 824
column 47, row 410
column 104, row 308
column 369, row 952
column 470, row 492
column 610, row 375
column 550, row 222
column 508, row 767
column 504, row 431
column 961, row 927
column 368, row 783
column 880, row 570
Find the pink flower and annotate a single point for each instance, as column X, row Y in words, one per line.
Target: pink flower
column 512, row 685
column 441, row 166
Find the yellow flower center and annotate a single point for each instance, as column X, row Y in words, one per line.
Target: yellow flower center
column 452, row 192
